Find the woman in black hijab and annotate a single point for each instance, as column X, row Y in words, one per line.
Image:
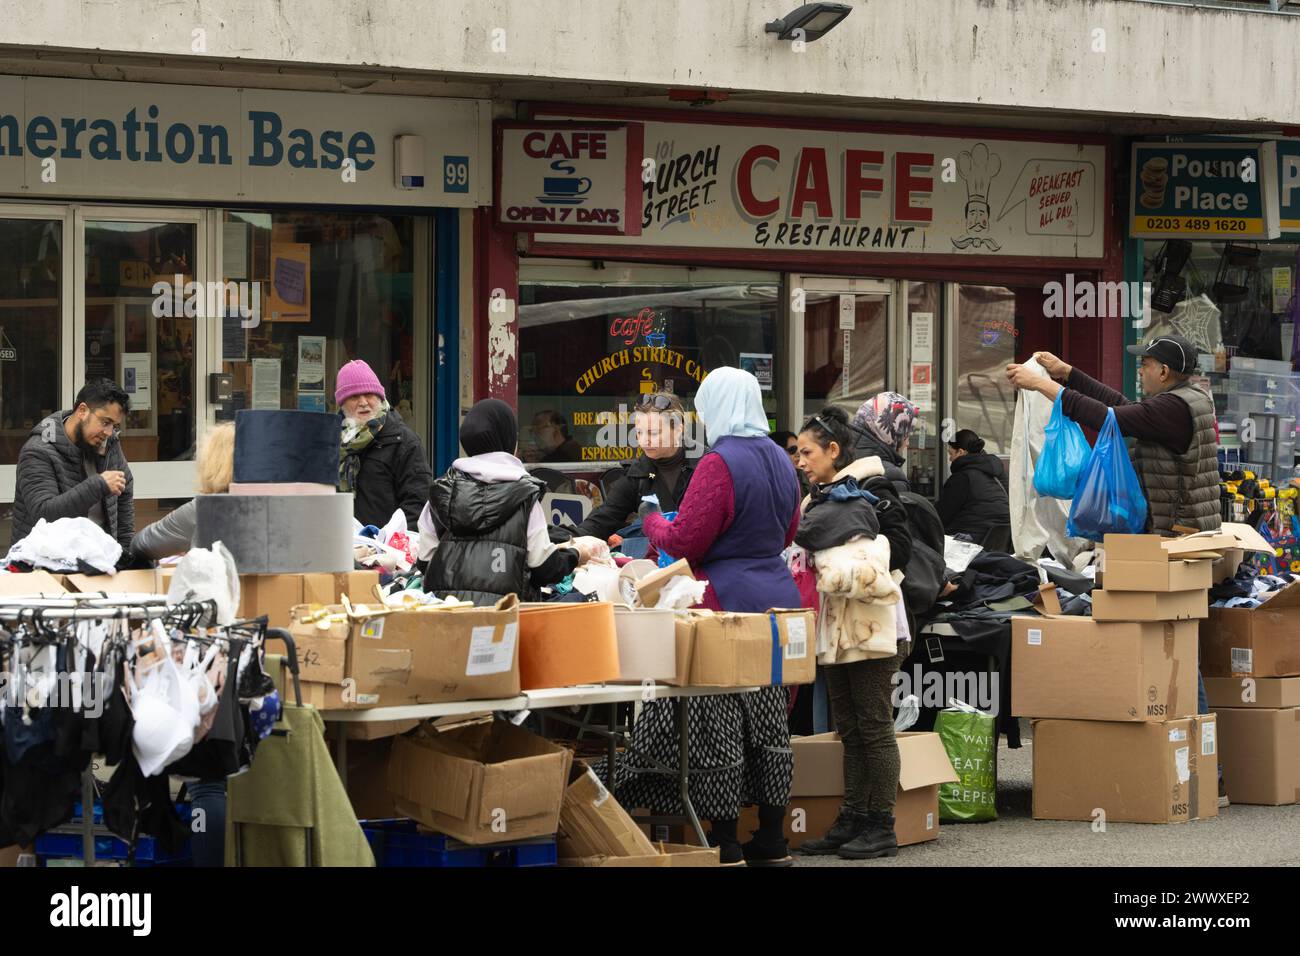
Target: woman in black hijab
column 487, row 531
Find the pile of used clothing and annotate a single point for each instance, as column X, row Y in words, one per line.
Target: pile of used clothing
column 970, row 631
column 1248, row 588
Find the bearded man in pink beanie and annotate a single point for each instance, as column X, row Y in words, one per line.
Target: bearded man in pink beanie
column 381, row 460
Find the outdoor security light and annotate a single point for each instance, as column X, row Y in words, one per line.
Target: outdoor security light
column 810, row 22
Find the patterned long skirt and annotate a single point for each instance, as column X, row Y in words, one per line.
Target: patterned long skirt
column 739, row 754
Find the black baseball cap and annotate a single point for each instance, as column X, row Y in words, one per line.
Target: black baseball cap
column 1172, row 350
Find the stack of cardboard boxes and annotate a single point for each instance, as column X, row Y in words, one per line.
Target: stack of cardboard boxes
column 1250, row 659
column 1116, row 734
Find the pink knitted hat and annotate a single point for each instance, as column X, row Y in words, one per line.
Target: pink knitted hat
column 356, row 378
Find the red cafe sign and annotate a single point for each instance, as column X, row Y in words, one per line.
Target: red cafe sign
column 569, row 177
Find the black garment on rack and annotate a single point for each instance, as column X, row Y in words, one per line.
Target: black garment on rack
column 226, row 749
column 135, row 804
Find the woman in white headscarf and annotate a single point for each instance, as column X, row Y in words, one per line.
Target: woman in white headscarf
column 738, row 515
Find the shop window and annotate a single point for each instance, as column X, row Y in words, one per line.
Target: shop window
column 150, row 355
column 31, row 266
column 333, row 287
column 836, row 374
column 987, row 327
column 1234, row 302
column 591, row 340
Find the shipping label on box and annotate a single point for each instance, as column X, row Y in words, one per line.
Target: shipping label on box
column 1081, row 669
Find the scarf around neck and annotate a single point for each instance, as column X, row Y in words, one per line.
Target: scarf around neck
column 357, row 436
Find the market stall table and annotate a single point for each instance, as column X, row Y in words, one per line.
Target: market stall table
column 548, row 699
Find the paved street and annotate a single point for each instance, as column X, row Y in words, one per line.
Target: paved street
column 1239, row 836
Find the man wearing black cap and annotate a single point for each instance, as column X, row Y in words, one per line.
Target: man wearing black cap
column 1175, row 453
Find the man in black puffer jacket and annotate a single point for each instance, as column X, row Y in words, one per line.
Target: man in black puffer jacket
column 73, row 466
column 974, row 498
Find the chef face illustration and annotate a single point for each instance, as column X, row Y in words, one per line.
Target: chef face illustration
column 977, row 167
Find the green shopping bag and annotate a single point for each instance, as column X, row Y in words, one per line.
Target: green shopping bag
column 970, row 737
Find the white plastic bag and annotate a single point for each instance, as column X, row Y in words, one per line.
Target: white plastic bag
column 57, row 546
column 208, row 574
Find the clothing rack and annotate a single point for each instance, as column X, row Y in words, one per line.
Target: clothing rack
column 100, row 607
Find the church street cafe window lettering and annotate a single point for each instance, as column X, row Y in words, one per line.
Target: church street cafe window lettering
column 592, row 341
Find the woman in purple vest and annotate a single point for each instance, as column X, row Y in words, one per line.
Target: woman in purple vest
column 739, row 513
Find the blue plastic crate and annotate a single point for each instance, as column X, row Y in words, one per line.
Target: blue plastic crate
column 67, row 846
column 400, row 843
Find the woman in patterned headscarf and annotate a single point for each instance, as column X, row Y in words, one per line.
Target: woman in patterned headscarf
column 883, row 425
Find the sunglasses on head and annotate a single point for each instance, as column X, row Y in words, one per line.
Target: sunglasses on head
column 659, row 401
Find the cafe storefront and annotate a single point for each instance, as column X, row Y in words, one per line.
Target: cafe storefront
column 833, row 261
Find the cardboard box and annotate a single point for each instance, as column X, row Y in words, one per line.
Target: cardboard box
column 1154, row 547
column 368, row 779
column 482, row 782
column 1159, row 575
column 9, row 855
column 276, row 595
column 562, row 645
column 1261, row 755
column 664, row 855
column 1113, row 605
column 1271, row 693
column 647, row 648
column 1254, row 642
column 741, row 650
column 1132, row 772
column 394, row 658
column 684, row 638
column 818, row 787
column 123, row 582
column 592, row 823
column 357, row 586
column 1080, row 669
column 648, row 587
column 31, row 584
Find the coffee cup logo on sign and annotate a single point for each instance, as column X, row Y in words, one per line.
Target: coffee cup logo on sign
column 564, row 190
column 1155, row 180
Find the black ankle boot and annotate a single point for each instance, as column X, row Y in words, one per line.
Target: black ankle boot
column 769, row 847
column 877, row 839
column 848, row 825
column 722, row 834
